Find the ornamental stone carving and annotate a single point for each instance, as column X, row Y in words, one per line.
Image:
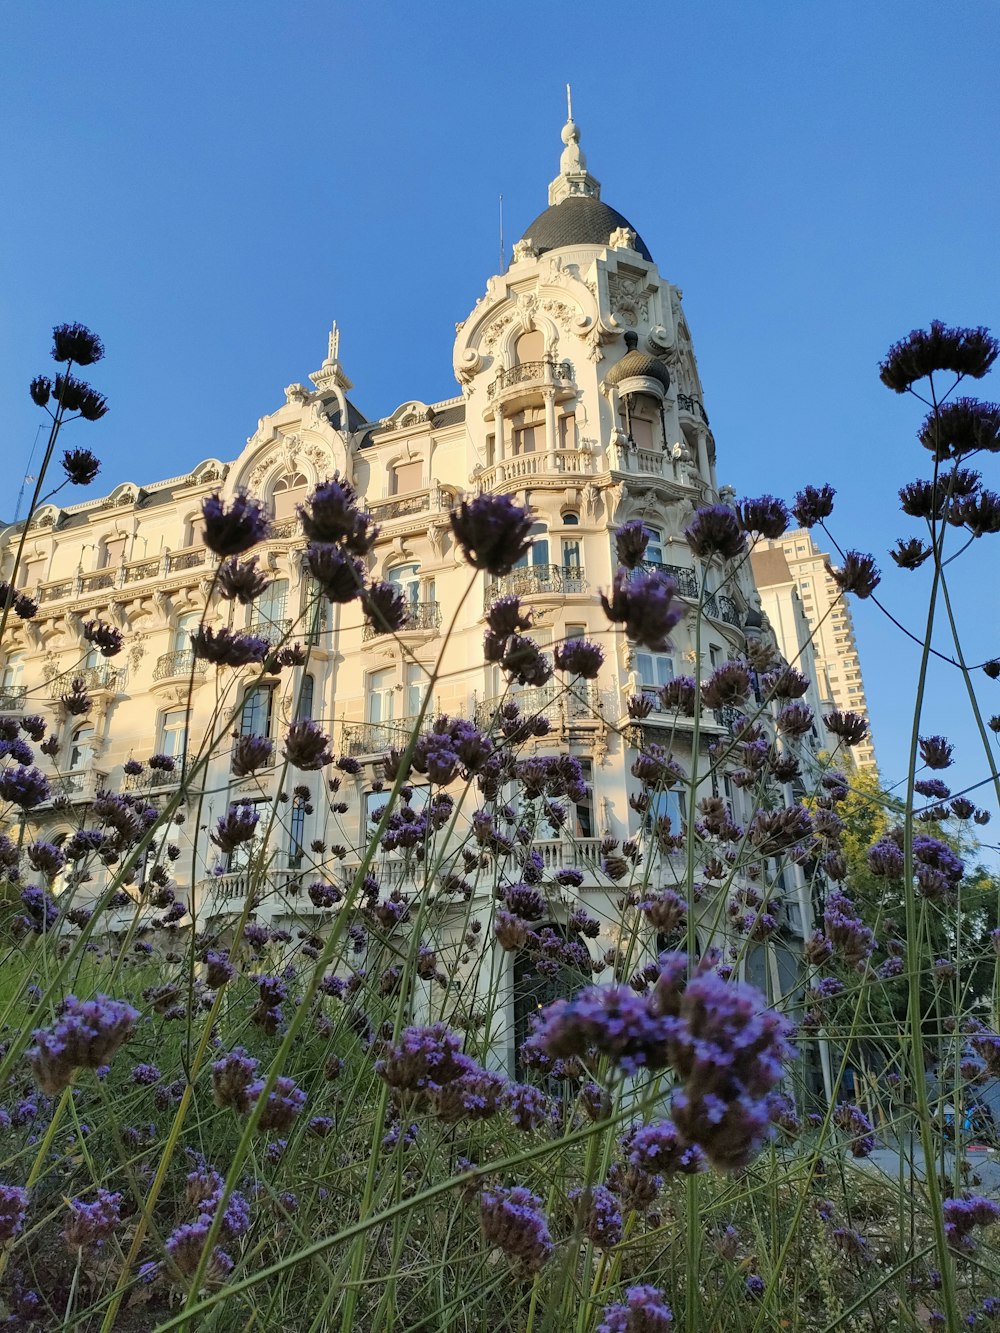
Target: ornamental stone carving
column 622, row 238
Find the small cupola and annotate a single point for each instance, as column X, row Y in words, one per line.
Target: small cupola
column 638, row 372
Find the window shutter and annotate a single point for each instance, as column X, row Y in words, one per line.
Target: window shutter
column 407, row 477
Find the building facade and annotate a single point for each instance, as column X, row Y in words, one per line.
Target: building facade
column 580, row 397
column 801, row 569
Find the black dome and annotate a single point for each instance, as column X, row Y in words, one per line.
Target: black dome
column 578, row 220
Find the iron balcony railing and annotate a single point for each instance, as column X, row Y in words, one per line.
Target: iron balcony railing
column 419, row 616
column 274, row 631
column 189, row 559
column 377, row 737
column 686, row 579
column 562, row 705
column 530, row 580
column 93, row 678
column 721, row 607
column 12, row 698
column 694, row 406
column 180, row 663
column 532, row 372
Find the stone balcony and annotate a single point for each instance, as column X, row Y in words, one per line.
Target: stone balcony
column 577, row 704
column 516, row 471
column 78, row 785
column 104, row 679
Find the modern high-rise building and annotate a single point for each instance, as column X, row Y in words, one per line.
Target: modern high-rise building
column 579, row 396
column 792, row 569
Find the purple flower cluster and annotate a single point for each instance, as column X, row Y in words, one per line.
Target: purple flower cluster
column 492, row 531
column 13, row 1207
column 660, row 1148
column 334, row 516
column 644, row 604
column 645, row 1310
column 601, row 1215
column 513, row 1219
column 852, row 940
column 423, row 1059
column 853, row 1122
column 87, row 1034
column 237, row 826
column 92, row 1223
column 611, row 1020
column 307, row 746
column 233, row 530
column 962, row 1215
column 223, row 647
column 715, row 530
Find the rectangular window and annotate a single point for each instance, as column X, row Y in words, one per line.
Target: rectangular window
column 567, row 432
column 268, row 614
column 30, row 573
column 172, row 727
column 296, row 835
column 667, row 803
column 655, row 669
column 382, row 695
column 642, row 433
column 654, row 549
column 583, row 811
column 571, row 557
column 255, row 715
column 407, row 477
column 416, row 684
column 524, row 440
column 114, row 552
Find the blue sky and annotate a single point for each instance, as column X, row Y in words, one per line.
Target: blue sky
column 208, row 185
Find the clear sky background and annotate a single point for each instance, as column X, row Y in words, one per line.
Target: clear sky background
column 209, row 184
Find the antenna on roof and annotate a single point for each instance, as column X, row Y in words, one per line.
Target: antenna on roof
column 503, row 264
column 28, row 478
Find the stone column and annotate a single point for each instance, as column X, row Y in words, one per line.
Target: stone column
column 703, row 464
column 498, row 446
column 552, row 443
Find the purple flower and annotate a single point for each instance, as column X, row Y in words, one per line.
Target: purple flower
column 525, row 661
column 75, row 342
column 87, row 1033
column 631, row 540
column 858, row 574
column 24, row 787
column 910, row 554
column 185, row 1246
column 284, row 1102
column 852, row 728
column 40, row 389
column 13, row 1206
column 936, row 751
column 424, row 1058
column 76, row 396
column 41, row 907
column 528, row 1106
column 492, row 531
column 234, row 530
column 579, row 657
column 333, row 516
column 960, row 427
column 728, row 684
column 250, row 753
column 922, row 499
column 218, row 969
column 851, row 939
column 729, row 1052
column 46, row 858
column 386, row 607
column 307, row 747
column 92, row 1223
column 145, row 1075
column 106, row 638
column 659, row 1148
column 505, row 617
column 224, row 648
column 767, row 516
column 645, row 1310
column 241, row 581
column 885, row 859
column 601, row 1215
column 80, row 466
column 851, row 1120
column 644, row 605
column 715, row 530
column 979, row 513
column 513, row 1219
column 962, row 1215
column 611, row 1019
column 961, row 351
column 232, row 1078
column 340, row 574
column 812, row 505
column 237, row 826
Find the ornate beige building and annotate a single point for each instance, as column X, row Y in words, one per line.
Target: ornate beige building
column 580, row 396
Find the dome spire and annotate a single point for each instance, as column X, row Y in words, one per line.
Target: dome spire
column 573, row 178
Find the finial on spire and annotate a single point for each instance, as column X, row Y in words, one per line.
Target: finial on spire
column 573, row 178
column 333, row 347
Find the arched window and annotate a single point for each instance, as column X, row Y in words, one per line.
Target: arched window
column 257, row 710
column 407, row 579
column 571, row 518
column 81, row 749
column 13, row 671
column 186, row 625
column 530, row 347
column 192, row 530
column 286, row 493
column 267, row 615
